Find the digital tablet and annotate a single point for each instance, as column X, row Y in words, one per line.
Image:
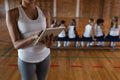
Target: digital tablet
column 55, row 31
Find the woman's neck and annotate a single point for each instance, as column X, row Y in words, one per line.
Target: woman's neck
column 28, row 5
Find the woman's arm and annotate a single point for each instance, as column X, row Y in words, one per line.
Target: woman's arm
column 17, row 40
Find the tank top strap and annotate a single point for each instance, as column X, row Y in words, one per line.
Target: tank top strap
column 20, row 11
column 40, row 12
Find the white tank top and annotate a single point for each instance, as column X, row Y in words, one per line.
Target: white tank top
column 28, row 27
column 62, row 34
column 114, row 31
column 88, row 29
column 71, row 32
column 98, row 31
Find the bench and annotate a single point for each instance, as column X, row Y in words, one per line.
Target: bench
column 89, row 40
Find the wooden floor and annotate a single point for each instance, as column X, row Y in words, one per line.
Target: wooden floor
column 66, row 64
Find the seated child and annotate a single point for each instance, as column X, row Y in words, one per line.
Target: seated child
column 72, row 33
column 114, row 32
column 99, row 31
column 62, row 34
column 88, row 33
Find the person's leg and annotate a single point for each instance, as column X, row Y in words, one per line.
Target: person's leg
column 68, row 43
column 77, row 44
column 98, row 43
column 102, row 43
column 65, row 43
column 109, row 38
column 113, row 38
column 27, row 70
column 88, row 44
column 82, row 43
column 91, row 43
column 112, row 44
column 59, row 44
column 42, row 69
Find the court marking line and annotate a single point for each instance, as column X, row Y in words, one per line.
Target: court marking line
column 116, row 66
column 5, row 54
column 7, row 51
column 72, row 57
column 73, row 66
column 113, row 57
column 5, row 48
column 97, row 66
column 16, row 65
column 76, row 66
column 55, row 65
column 13, row 65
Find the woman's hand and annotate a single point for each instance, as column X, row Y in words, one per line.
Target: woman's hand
column 36, row 35
column 49, row 40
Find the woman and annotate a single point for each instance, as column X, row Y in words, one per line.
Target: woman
column 114, row 32
column 25, row 24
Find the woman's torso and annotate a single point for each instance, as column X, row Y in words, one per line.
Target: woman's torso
column 27, row 28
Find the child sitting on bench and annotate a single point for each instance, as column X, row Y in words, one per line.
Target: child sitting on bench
column 99, row 31
column 114, row 32
column 88, row 34
column 62, row 34
column 72, row 33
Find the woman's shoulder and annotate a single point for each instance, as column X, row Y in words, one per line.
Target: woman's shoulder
column 13, row 12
